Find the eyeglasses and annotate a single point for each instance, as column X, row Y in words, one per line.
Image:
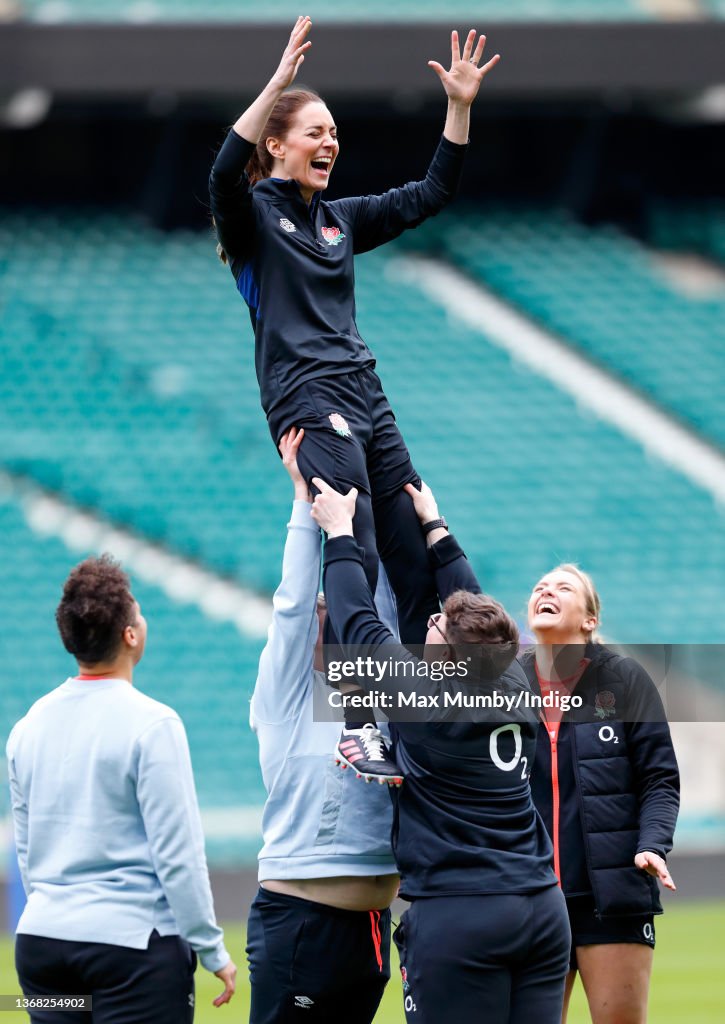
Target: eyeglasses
column 433, row 621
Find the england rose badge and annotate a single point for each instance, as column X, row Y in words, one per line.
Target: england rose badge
column 333, row 236
column 339, row 424
column 605, row 704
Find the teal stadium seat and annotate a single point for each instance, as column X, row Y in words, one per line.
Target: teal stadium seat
column 697, row 226
column 137, row 398
column 601, row 292
column 339, row 10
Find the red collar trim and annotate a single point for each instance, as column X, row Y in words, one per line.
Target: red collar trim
column 569, row 679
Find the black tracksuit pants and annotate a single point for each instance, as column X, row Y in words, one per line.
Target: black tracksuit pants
column 315, row 963
column 489, row 959
column 128, row 986
column 352, row 440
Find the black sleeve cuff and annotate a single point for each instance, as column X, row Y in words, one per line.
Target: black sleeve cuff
column 445, row 551
column 657, row 848
column 448, row 159
column 457, row 149
column 343, row 549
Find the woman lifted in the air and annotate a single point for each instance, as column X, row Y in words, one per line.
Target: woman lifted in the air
column 291, row 253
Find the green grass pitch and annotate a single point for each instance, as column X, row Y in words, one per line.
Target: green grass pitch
column 688, row 983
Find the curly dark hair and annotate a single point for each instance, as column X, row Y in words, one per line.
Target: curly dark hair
column 94, row 610
column 477, row 620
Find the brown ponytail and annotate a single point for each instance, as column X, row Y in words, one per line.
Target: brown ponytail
column 278, row 125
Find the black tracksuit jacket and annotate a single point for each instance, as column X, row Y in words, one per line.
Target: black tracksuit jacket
column 462, row 823
column 617, row 762
column 293, row 263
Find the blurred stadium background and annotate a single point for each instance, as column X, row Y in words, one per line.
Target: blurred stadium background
column 554, row 344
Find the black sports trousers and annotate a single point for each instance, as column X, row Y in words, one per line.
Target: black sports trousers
column 498, row 959
column 315, row 963
column 128, row 986
column 352, row 440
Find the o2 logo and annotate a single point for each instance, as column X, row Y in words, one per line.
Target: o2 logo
column 648, row 932
column 608, row 735
column 508, row 766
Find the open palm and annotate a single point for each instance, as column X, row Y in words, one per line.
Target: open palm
column 294, row 53
column 463, row 79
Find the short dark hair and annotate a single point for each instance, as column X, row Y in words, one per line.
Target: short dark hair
column 477, row 620
column 94, row 610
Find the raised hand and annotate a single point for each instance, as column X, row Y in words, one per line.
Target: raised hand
column 288, row 447
column 463, row 79
column 333, row 511
column 424, row 502
column 294, row 54
column 250, row 124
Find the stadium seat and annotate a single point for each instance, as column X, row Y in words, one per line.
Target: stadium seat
column 141, row 404
column 602, row 292
column 337, row 10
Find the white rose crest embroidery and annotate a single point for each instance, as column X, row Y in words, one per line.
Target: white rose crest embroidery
column 605, row 704
column 333, row 236
column 339, row 424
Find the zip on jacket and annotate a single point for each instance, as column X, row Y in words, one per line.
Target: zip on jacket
column 551, row 718
column 623, row 779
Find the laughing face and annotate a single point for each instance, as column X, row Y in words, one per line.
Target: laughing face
column 308, row 151
column 558, row 609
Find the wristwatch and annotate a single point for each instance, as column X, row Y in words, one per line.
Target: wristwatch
column 435, row 524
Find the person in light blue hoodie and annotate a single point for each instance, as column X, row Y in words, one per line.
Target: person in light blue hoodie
column 318, row 935
column 107, row 829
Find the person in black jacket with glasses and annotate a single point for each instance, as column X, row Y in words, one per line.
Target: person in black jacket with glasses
column 606, row 783
column 486, row 937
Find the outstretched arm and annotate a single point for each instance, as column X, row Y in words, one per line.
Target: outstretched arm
column 375, row 220
column 285, row 665
column 229, row 188
column 334, row 513
column 354, row 617
column 250, row 124
column 462, row 82
column 350, row 605
column 450, row 565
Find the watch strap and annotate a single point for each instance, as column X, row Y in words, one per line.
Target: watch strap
column 435, row 524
